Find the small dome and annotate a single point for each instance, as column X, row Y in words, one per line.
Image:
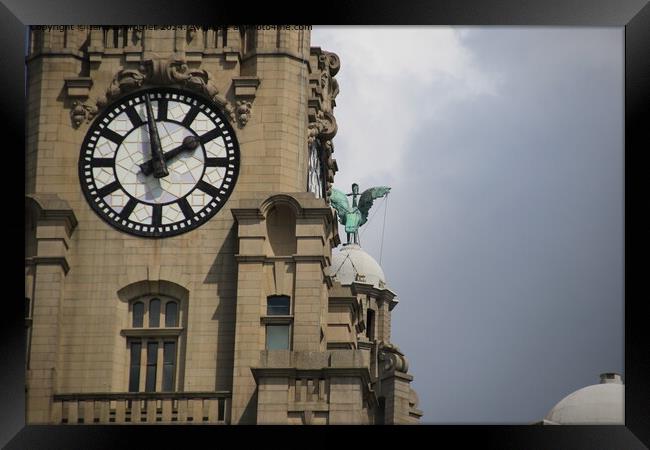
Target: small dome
column 599, row 404
column 352, row 263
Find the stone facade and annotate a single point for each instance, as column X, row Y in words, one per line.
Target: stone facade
column 272, row 238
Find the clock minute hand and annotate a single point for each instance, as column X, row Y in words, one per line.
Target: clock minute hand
column 189, row 143
column 159, row 166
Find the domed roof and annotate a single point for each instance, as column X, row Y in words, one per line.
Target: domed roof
column 352, row 263
column 599, row 404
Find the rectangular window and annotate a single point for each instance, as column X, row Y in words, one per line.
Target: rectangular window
column 134, row 371
column 277, row 305
column 277, row 337
column 152, row 359
column 169, row 364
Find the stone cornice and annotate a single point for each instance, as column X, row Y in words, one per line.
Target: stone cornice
column 293, row 258
column 276, row 53
column 53, row 208
column 247, row 214
column 325, row 372
column 49, row 52
column 48, row 260
column 397, row 374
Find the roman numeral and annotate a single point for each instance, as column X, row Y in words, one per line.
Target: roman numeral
column 112, row 136
column 128, row 208
column 102, row 162
column 162, row 109
column 134, row 117
column 190, row 116
column 209, row 135
column 184, row 205
column 216, row 162
column 156, row 219
column 108, row 189
column 207, row 188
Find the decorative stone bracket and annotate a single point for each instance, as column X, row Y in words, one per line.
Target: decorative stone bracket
column 245, row 89
column 392, row 357
column 154, row 72
column 322, row 124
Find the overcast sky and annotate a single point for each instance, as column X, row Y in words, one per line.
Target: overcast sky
column 504, row 228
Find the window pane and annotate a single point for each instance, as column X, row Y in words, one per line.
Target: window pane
column 154, row 313
column 138, row 314
column 171, row 314
column 277, row 337
column 169, row 363
column 152, row 358
column 134, row 372
column 277, row 305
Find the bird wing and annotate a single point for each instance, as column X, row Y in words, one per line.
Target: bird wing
column 368, row 197
column 339, row 202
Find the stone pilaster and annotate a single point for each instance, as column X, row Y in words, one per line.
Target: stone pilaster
column 53, row 223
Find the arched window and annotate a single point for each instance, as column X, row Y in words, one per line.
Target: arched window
column 153, row 349
column 154, row 313
column 138, row 315
column 171, row 314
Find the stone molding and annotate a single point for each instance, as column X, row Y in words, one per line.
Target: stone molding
column 152, row 332
column 52, row 208
column 49, row 260
column 153, row 287
column 382, row 295
column 172, row 72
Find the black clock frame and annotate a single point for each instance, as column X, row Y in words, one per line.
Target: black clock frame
column 196, row 221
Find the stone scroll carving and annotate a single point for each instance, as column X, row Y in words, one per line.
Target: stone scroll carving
column 392, row 357
column 322, row 125
column 171, row 72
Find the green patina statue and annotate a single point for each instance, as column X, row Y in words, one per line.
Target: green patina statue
column 355, row 216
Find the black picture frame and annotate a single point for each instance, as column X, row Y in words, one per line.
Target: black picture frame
column 634, row 15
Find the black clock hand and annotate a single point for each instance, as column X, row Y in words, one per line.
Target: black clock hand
column 189, row 143
column 159, row 166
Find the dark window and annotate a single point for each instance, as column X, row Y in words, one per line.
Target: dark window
column 134, row 372
column 277, row 337
column 27, row 311
column 154, row 313
column 138, row 314
column 152, row 357
column 277, row 305
column 370, row 324
column 171, row 314
column 169, row 363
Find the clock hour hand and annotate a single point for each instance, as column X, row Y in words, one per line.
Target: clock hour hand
column 158, row 162
column 189, row 143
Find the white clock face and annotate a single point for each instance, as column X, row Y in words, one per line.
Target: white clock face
column 196, row 143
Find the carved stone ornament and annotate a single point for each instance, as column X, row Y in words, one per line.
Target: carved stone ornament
column 243, row 112
column 392, row 357
column 322, row 125
column 81, row 112
column 172, row 72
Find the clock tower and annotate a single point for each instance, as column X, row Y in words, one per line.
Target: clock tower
column 179, row 235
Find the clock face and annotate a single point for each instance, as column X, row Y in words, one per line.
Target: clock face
column 196, row 143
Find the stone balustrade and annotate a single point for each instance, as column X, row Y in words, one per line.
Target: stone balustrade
column 142, row 408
